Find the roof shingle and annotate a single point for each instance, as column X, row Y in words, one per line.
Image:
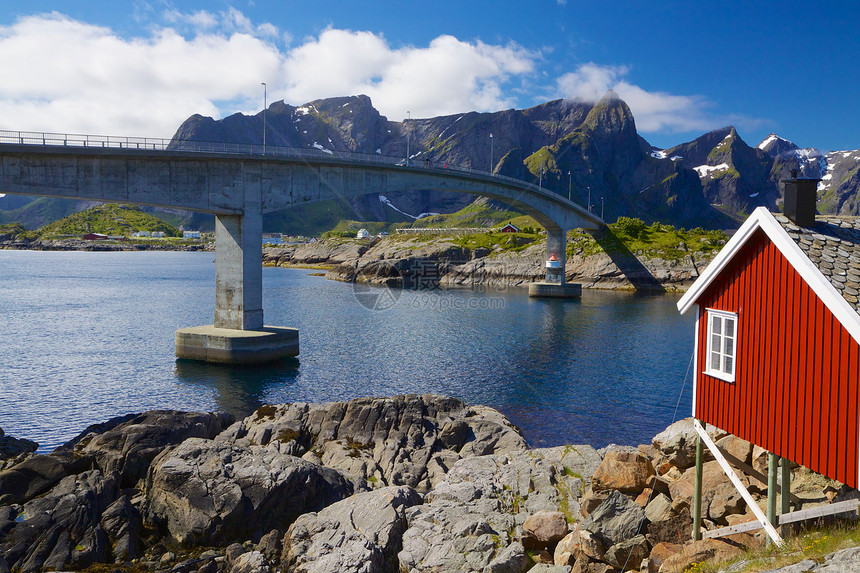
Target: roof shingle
column 833, row 245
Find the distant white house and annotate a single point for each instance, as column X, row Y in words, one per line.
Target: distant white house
column 190, row 234
column 142, row 234
column 158, row 234
column 362, row 234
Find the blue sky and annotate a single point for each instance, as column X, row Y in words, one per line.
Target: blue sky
column 141, row 67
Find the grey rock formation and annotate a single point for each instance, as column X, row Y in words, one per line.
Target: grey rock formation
column 206, row 492
column 616, row 519
column 250, row 562
column 123, row 524
column 474, row 518
column 130, row 446
column 61, row 529
column 31, row 477
column 361, row 534
column 404, row 440
column 14, row 450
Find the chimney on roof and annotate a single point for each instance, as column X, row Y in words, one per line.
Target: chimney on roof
column 800, row 199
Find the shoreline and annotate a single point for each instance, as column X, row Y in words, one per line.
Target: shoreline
column 417, row 483
column 440, row 261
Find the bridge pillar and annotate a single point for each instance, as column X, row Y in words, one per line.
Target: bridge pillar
column 239, row 271
column 238, row 335
column 554, row 286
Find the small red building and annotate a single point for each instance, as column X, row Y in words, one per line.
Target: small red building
column 95, row 237
column 778, row 340
column 509, row 228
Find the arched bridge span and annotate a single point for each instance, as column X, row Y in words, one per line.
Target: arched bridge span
column 238, row 183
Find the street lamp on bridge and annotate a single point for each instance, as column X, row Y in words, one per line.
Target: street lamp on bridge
column 408, row 117
column 491, row 152
column 265, row 105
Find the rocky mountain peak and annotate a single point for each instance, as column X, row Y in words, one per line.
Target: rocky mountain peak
column 775, row 145
column 611, row 116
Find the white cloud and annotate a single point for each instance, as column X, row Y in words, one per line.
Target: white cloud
column 448, row 76
column 653, row 111
column 65, row 75
column 68, row 76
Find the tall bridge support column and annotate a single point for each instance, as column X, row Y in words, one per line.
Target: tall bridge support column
column 239, row 271
column 238, row 335
column 555, row 286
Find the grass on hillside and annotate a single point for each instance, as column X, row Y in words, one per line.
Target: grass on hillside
column 653, row 241
column 476, row 214
column 507, row 242
column 811, row 543
column 108, row 219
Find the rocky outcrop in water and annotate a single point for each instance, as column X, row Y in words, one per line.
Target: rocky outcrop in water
column 409, row 483
column 412, row 262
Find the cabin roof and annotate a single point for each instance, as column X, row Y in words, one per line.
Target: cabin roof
column 833, row 245
column 827, row 257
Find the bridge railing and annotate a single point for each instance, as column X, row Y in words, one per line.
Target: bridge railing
column 318, row 152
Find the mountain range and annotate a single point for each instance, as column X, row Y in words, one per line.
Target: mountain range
column 591, row 152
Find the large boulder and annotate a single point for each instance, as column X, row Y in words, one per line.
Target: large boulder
column 61, row 530
column 627, row 472
column 677, row 443
column 361, row 534
column 209, row 493
column 33, row 476
column 129, row 446
column 403, row 440
column 627, row 554
column 616, row 519
column 544, row 529
column 579, row 461
column 124, row 525
column 714, row 550
column 720, row 498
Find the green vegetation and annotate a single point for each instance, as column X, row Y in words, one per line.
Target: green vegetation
column 493, row 241
column 347, row 229
column 811, row 543
column 15, row 230
column 654, row 241
column 477, row 214
column 108, row 219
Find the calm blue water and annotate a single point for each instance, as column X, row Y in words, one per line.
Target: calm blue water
column 88, row 336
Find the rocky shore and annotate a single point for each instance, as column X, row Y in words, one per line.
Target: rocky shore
column 19, row 243
column 411, row 261
column 403, row 484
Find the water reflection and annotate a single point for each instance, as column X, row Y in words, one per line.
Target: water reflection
column 238, row 390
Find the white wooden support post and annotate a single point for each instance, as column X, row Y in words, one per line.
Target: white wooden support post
column 760, row 516
column 772, row 466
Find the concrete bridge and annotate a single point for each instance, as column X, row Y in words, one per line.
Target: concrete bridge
column 237, row 183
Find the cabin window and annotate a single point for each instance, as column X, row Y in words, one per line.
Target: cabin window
column 722, row 344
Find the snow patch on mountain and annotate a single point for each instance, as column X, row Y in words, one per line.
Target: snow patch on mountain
column 706, row 170
column 385, row 201
column 767, row 141
column 323, row 149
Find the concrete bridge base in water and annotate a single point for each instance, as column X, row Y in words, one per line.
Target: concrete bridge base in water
column 231, row 346
column 555, row 290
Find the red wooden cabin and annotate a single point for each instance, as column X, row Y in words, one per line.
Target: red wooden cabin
column 778, row 340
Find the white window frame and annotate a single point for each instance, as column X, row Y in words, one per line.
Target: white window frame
column 723, row 373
